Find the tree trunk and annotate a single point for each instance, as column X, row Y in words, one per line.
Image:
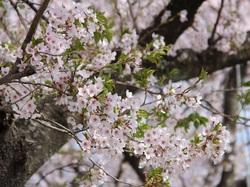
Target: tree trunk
column 231, row 108
column 25, row 146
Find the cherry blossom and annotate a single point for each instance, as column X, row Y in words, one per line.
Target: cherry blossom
column 79, row 62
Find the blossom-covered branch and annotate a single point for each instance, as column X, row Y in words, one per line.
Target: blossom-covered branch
column 29, row 70
column 79, row 58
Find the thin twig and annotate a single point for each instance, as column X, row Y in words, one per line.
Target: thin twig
column 14, row 5
column 113, row 177
column 35, row 23
column 32, row 6
column 43, row 176
column 211, row 40
column 49, row 126
column 133, row 16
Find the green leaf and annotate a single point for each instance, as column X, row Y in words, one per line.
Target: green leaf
column 123, row 58
column 140, row 130
column 143, row 114
column 246, row 84
column 97, row 36
column 247, row 98
column 174, row 73
column 109, row 85
column 161, row 115
column 115, row 68
column 155, row 179
column 156, row 56
column 217, row 127
column 48, row 82
column 216, row 141
column 203, row 74
column 142, row 76
column 78, row 23
column 196, row 140
column 36, row 41
column 167, row 183
column 101, row 18
column 9, row 45
column 104, row 34
column 194, row 119
column 108, row 34
column 155, row 172
column 125, row 30
column 77, row 45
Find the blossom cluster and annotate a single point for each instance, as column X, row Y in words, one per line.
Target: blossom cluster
column 174, row 153
column 79, row 64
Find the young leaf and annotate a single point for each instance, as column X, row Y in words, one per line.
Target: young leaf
column 36, row 41
column 141, row 129
column 203, row 75
column 142, row 76
column 246, row 84
column 194, row 118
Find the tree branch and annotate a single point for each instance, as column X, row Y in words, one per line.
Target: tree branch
column 32, row 6
column 211, row 40
column 134, row 163
column 35, row 23
column 25, row 146
column 173, row 27
column 14, row 73
column 189, row 63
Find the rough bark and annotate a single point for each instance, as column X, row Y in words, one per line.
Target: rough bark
column 25, row 146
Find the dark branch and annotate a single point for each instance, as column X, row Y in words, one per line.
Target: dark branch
column 29, row 70
column 134, row 163
column 14, row 73
column 190, row 63
column 35, row 23
column 32, row 6
column 211, row 40
column 173, row 27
